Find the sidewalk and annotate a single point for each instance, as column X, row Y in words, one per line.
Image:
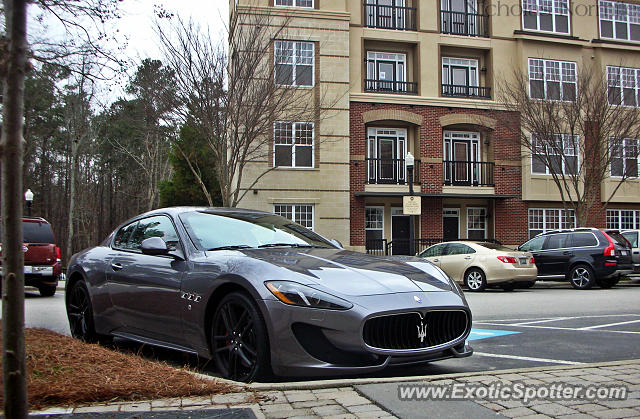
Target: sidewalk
column 378, row 398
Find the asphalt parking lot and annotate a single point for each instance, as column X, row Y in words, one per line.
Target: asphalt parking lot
column 550, row 324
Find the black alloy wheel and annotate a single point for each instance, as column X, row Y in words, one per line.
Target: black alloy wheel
column 581, row 277
column 239, row 339
column 80, row 313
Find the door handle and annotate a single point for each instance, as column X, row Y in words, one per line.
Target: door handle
column 635, row 252
column 467, row 257
column 116, row 266
column 567, row 253
column 436, row 260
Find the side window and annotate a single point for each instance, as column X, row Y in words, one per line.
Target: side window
column 632, row 236
column 159, row 226
column 583, row 240
column 459, row 249
column 433, row 251
column 555, row 241
column 533, row 244
column 121, row 240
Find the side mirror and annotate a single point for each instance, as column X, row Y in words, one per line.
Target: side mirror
column 154, row 246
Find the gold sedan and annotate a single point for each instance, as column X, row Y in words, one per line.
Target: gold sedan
column 479, row 265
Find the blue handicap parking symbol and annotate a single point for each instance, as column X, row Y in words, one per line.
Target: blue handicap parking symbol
column 477, row 334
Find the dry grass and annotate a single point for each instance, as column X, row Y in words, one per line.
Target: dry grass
column 65, row 371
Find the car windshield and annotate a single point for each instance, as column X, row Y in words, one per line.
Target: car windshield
column 619, row 238
column 37, row 232
column 495, row 246
column 218, row 231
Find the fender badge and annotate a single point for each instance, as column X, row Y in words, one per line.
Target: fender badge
column 417, row 299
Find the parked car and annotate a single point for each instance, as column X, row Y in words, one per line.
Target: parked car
column 632, row 238
column 42, row 267
column 583, row 256
column 479, row 265
column 258, row 293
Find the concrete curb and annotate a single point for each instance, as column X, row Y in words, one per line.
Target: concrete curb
column 320, row 384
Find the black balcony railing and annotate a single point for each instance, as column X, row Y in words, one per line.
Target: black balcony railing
column 385, row 86
column 390, row 171
column 468, row 173
column 390, row 17
column 473, row 92
column 467, row 24
column 382, row 247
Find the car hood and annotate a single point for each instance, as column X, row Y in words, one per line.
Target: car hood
column 352, row 273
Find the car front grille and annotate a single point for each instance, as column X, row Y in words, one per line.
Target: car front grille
column 415, row 331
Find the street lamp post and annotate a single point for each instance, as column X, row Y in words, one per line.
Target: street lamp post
column 28, row 196
column 409, row 161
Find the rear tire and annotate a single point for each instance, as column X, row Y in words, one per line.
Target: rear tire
column 508, row 287
column 527, row 284
column 581, row 277
column 475, row 280
column 47, row 290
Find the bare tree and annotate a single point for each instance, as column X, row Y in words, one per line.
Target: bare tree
column 579, row 138
column 232, row 95
column 13, row 68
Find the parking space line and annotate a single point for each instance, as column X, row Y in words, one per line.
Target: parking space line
column 608, row 325
column 528, row 358
column 549, row 318
column 544, row 321
column 560, row 328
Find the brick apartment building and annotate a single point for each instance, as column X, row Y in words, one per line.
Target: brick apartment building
column 420, row 77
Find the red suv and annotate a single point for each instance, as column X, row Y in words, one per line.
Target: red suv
column 42, row 265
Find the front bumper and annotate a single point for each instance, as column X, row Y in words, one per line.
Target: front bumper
column 314, row 342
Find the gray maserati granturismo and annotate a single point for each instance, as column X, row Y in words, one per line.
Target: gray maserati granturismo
column 259, row 294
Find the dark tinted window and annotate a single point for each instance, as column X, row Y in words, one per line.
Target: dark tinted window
column 433, row 251
column 583, row 239
column 159, row 226
column 37, row 233
column 122, row 236
column 533, row 244
column 632, row 236
column 555, row 241
column 459, row 249
column 618, row 238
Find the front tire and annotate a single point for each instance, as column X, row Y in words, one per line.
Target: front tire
column 581, row 277
column 239, row 340
column 80, row 313
column 475, row 280
column 47, row 290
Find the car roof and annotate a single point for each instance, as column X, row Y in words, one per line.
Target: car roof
column 209, row 210
column 572, row 230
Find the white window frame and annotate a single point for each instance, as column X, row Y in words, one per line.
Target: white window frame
column 400, row 135
column 615, row 219
column 400, row 60
column 294, row 4
column 625, row 145
column 617, row 78
column 295, row 61
column 565, row 147
column 294, row 217
column 294, row 146
column 607, row 11
column 471, row 64
column 563, row 75
column 367, row 228
column 564, row 219
column 483, row 215
column 556, row 10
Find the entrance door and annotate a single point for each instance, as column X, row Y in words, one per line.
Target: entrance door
column 387, row 156
column 400, row 234
column 461, row 157
column 450, row 225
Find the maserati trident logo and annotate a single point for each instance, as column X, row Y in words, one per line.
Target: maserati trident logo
column 417, row 299
column 422, row 331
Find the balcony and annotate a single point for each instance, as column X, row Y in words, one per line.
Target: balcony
column 390, row 17
column 386, row 86
column 470, row 92
column 468, row 173
column 390, row 172
column 466, row 24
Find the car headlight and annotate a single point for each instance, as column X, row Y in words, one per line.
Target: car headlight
column 295, row 294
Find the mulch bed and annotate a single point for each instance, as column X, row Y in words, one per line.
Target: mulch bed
column 66, row 371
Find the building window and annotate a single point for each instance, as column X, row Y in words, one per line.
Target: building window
column 294, row 3
column 294, row 63
column 460, row 78
column 374, row 227
column 619, row 219
column 552, row 80
column 623, row 86
column 546, row 15
column 298, row 213
column 387, row 72
column 386, row 151
column 542, row 220
column 558, row 155
column 620, row 20
column 293, row 144
column 476, row 223
column 624, row 157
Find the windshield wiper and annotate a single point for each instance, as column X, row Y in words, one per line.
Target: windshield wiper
column 233, row 247
column 291, row 245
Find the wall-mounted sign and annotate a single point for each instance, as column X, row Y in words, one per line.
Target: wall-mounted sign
column 411, row 205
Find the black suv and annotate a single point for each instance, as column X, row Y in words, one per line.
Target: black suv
column 584, row 256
